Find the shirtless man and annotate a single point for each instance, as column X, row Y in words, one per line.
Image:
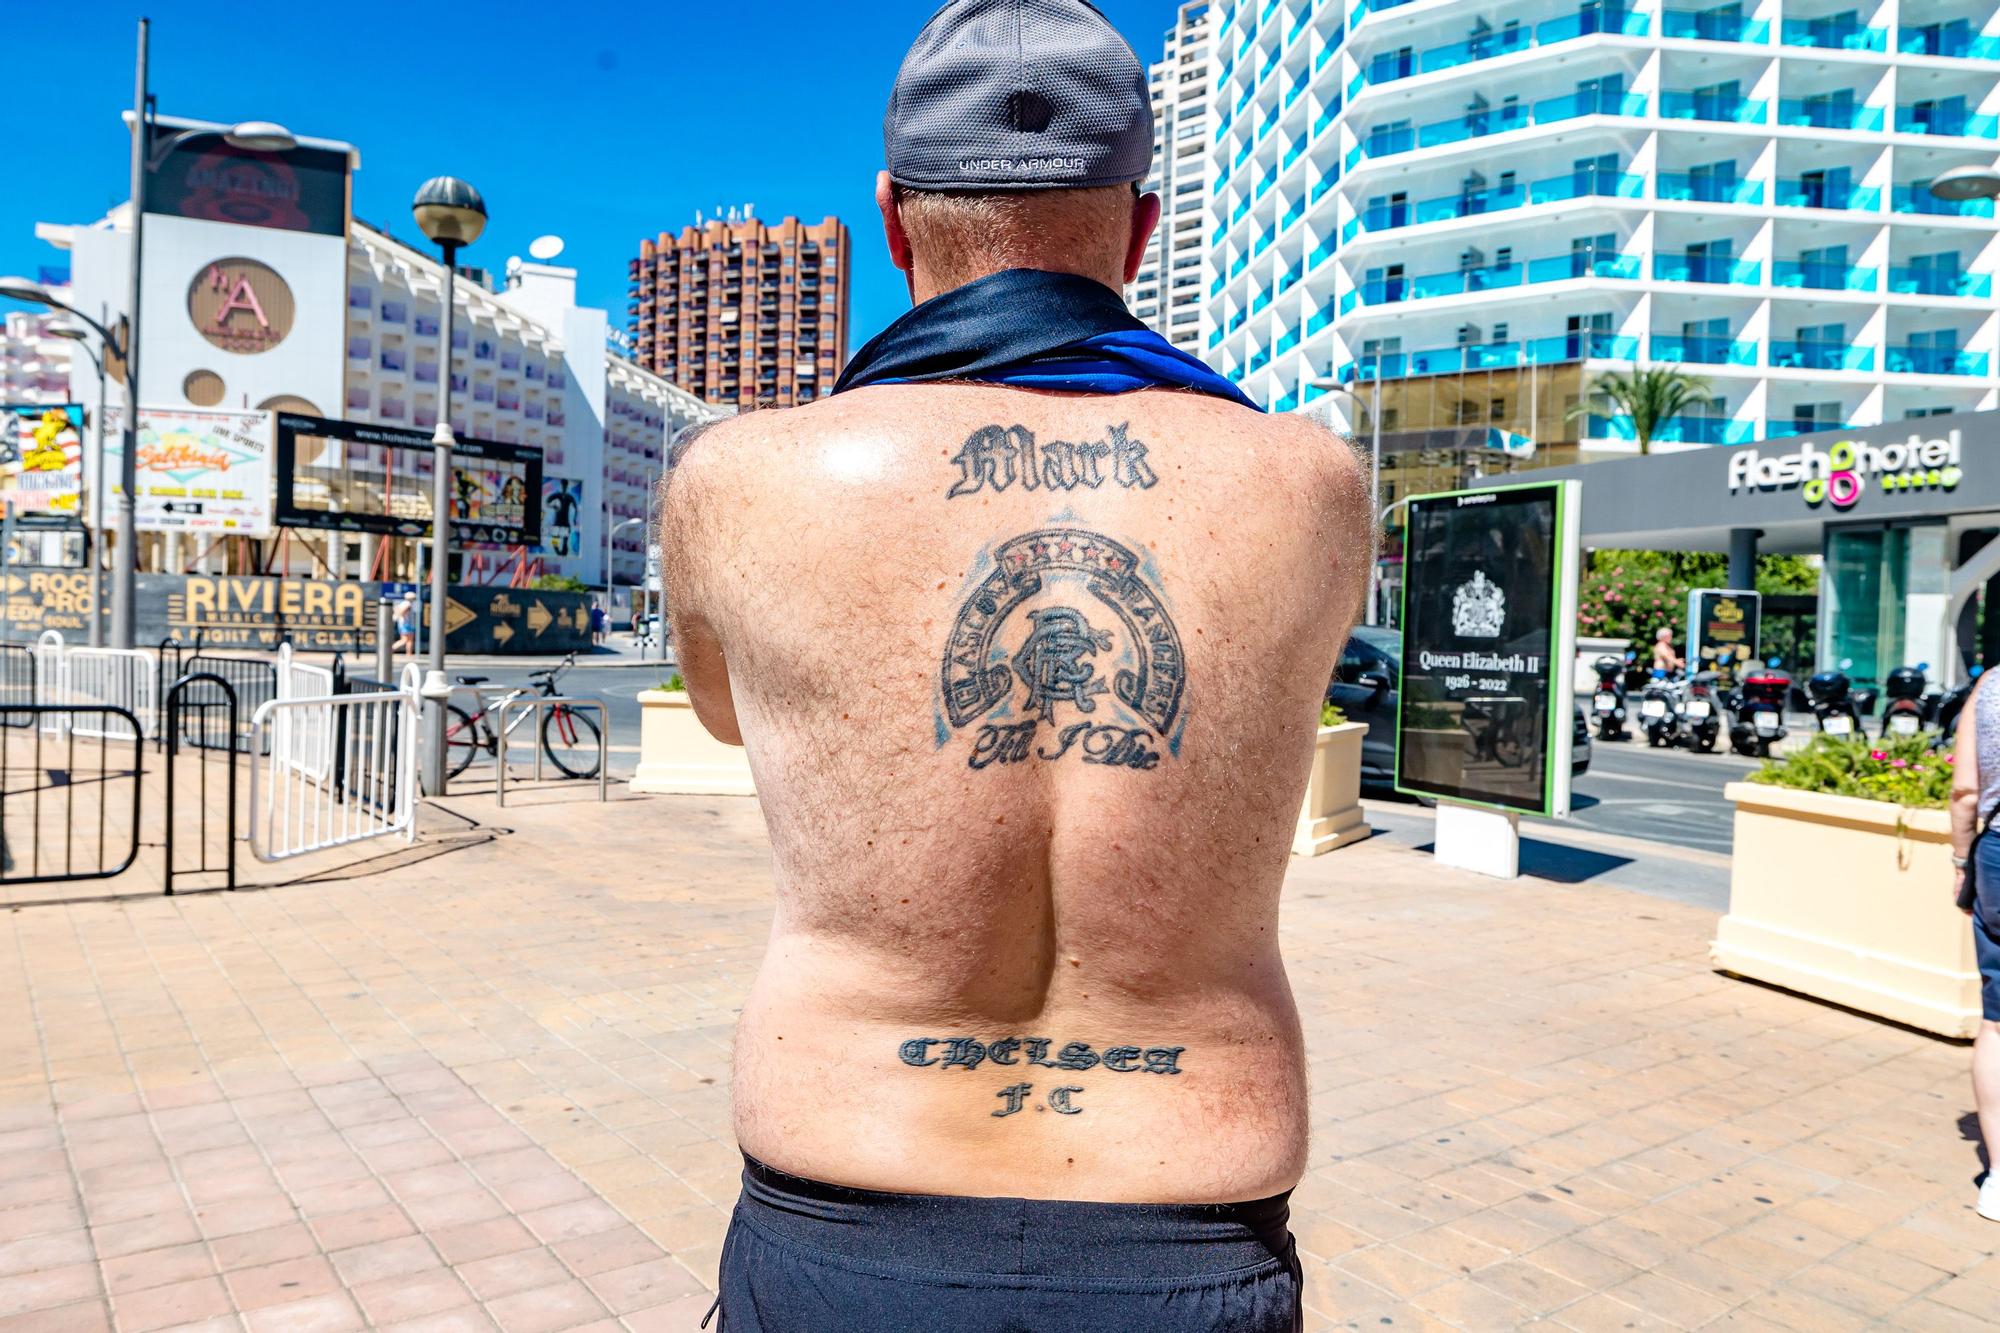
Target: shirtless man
column 1664, row 657
column 1028, row 681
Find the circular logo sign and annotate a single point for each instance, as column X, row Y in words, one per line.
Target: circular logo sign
column 241, row 305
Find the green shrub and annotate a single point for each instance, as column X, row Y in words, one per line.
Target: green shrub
column 1900, row 769
column 558, row 583
column 674, row 684
column 1330, row 714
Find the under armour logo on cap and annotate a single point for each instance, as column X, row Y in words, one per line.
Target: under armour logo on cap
column 1018, row 95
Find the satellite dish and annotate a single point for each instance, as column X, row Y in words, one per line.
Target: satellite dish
column 545, row 247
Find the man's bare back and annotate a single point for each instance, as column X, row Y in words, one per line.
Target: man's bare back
column 1028, row 683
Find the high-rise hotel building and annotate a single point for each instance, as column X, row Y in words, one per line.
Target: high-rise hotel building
column 1489, row 203
column 744, row 313
column 1168, row 292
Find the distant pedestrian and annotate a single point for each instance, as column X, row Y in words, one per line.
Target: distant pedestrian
column 406, row 624
column 1664, row 657
column 599, row 621
column 1975, row 796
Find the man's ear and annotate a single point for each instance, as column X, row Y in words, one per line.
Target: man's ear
column 892, row 223
column 1145, row 217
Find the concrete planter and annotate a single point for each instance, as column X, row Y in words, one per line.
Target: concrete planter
column 1331, row 815
column 677, row 756
column 1849, row 901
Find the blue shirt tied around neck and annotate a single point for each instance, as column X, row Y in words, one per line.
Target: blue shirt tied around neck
column 1032, row 330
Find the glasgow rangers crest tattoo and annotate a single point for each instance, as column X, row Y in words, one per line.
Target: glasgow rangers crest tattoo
column 1067, row 630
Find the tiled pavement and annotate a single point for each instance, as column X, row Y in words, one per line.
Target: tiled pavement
column 489, row 1089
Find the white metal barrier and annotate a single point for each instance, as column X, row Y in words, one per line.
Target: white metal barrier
column 127, row 678
column 303, row 739
column 360, row 780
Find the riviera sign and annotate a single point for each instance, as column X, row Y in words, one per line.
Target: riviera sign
column 1839, row 474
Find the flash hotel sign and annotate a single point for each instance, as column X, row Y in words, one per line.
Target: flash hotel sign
column 1841, row 473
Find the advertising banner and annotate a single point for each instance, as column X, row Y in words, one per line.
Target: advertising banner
column 562, row 517
column 350, row 477
column 1722, row 633
column 1484, row 711
column 41, row 457
column 299, row 189
column 199, row 470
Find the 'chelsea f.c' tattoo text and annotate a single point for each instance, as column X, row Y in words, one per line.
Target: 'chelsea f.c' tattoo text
column 996, row 457
column 1095, row 658
column 969, row 1053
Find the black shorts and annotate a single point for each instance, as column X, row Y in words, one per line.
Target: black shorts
column 802, row 1256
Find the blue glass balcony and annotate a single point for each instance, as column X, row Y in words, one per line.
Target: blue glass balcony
column 1474, row 125
column 1286, row 404
column 1288, row 341
column 1327, row 52
column 1839, row 32
column 1909, row 360
column 1269, row 179
column 1347, row 302
column 1238, row 211
column 1582, row 347
column 1292, row 214
column 1957, row 43
column 1818, row 354
column 1263, row 299
column 1290, row 276
column 1586, row 183
column 1703, row 349
column 1917, row 198
column 1215, row 288
column 1269, row 122
column 1325, row 118
column 1298, row 86
column 1712, row 26
column 1491, row 356
column 1821, row 276
column 1320, row 320
column 1259, row 361
column 1594, row 103
column 1951, row 123
column 1707, row 268
column 1828, row 115
column 1483, row 47
column 1215, row 339
column 1587, row 21
column 1321, row 253
column 1705, row 430
column 1571, row 185
column 1826, row 194
column 1935, row 282
column 1263, row 242
column 1292, row 153
column 1708, row 189
column 1711, row 106
column 1236, row 320
column 1561, row 268
column 1326, row 182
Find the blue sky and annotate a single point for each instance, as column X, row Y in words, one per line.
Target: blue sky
column 600, row 122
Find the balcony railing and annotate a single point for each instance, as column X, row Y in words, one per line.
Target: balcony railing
column 1704, row 349
column 1386, row 142
column 1784, row 430
column 1935, row 282
column 1826, row 194
column 1957, row 43
column 1818, row 354
column 1492, row 277
column 1828, row 115
column 1674, row 430
column 1708, row 189
column 1933, row 361
column 1916, row 197
column 1841, row 32
column 1487, row 356
column 1821, row 275
column 1707, row 268
column 1950, row 123
column 1712, row 26
column 1473, row 203
column 1675, row 105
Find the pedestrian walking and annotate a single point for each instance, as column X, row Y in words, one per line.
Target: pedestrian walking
column 406, row 623
column 1975, row 796
column 598, row 622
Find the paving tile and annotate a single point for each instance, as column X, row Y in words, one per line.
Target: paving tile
column 505, row 1274
column 282, row 1283
column 396, row 1299
column 170, row 1306
column 544, row 1309
column 157, row 1268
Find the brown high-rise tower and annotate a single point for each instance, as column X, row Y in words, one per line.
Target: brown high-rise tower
column 744, row 312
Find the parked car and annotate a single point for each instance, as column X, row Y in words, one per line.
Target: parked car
column 1364, row 688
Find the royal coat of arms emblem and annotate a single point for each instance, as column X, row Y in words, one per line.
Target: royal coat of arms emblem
column 1478, row 608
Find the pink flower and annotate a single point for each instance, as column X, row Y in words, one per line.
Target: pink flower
column 1899, row 763
column 1878, row 755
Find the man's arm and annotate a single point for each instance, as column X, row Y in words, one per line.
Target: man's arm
column 689, row 535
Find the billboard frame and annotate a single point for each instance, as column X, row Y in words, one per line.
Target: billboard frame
column 286, row 427
column 1558, row 746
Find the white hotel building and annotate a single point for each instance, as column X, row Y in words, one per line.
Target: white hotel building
column 1486, row 202
column 1167, row 294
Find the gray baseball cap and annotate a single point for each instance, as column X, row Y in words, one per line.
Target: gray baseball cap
column 1019, row 95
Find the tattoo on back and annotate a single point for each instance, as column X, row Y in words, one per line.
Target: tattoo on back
column 969, row 1053
column 1067, row 628
column 996, row 457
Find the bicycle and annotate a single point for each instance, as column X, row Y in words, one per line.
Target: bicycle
column 569, row 736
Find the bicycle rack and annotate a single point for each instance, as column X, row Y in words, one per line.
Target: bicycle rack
column 536, row 703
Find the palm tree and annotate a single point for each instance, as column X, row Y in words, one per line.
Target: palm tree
column 1651, row 397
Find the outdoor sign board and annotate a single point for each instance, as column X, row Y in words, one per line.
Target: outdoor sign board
column 198, row 471
column 1722, row 633
column 301, row 189
column 352, row 477
column 1484, row 707
column 41, row 457
column 562, row 517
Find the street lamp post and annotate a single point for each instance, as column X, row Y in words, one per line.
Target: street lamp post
column 452, row 214
column 610, row 585
column 78, row 334
column 1371, row 615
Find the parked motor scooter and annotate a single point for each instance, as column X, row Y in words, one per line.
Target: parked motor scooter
column 1660, row 710
column 1909, row 709
column 1701, row 712
column 1952, row 707
column 1832, row 698
column 1608, row 703
column 1760, row 711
